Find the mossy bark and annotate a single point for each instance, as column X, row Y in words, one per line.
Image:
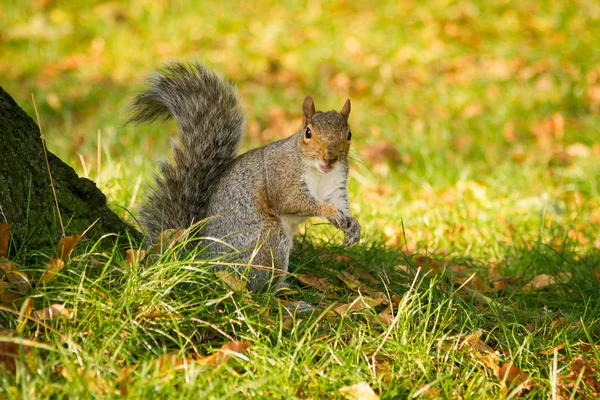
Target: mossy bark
column 26, row 198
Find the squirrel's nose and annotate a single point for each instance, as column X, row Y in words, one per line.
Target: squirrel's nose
column 330, row 158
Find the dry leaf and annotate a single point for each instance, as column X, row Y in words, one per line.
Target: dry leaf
column 167, row 239
column 55, row 265
column 18, row 280
column 359, row 391
column 6, row 295
column 225, row 352
column 55, row 310
column 360, row 303
column 321, row 283
column 473, row 341
column 4, row 238
column 387, row 316
column 580, row 366
column 134, row 256
column 10, row 353
column 66, row 246
column 233, row 281
column 512, row 377
column 554, row 349
column 541, row 281
column 381, row 152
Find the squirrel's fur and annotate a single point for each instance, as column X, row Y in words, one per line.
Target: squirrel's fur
column 256, row 200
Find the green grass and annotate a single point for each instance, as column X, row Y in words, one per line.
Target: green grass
column 489, row 114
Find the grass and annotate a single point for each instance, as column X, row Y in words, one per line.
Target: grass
column 476, row 139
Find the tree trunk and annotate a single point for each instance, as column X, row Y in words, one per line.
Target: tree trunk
column 26, row 198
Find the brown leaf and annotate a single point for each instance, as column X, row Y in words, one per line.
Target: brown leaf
column 4, row 238
column 473, row 341
column 66, row 246
column 427, row 264
column 234, row 282
column 554, row 349
column 225, row 352
column 359, row 391
column 580, row 366
column 540, row 282
column 360, row 303
column 55, row 310
column 321, row 283
column 512, row 377
column 18, row 280
column 387, row 316
column 10, row 353
column 55, row 265
column 381, row 152
column 134, row 256
column 6, row 295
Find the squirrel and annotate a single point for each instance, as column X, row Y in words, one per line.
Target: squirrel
column 252, row 202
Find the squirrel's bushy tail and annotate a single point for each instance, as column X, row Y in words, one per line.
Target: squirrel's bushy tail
column 211, row 122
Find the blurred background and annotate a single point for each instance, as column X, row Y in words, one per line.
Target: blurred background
column 475, row 124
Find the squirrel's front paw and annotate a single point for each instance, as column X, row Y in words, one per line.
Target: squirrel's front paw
column 352, row 229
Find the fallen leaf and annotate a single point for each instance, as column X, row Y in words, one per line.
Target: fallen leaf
column 234, row 282
column 353, row 283
column 554, row 349
column 360, row 303
column 427, row 264
column 4, row 238
column 6, row 295
column 513, row 377
column 18, row 280
column 580, row 367
column 66, row 246
column 237, row 349
column 134, row 256
column 381, row 152
column 321, row 283
column 358, row 391
column 166, row 239
column 55, row 310
column 540, row 282
column 387, row 316
column 473, row 341
column 55, row 265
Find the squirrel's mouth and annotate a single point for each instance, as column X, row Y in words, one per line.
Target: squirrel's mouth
column 325, row 168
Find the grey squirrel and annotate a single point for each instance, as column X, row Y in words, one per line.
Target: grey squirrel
column 256, row 200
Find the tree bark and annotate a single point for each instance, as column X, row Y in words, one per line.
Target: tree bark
column 26, row 198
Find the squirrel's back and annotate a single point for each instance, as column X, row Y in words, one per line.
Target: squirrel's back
column 211, row 123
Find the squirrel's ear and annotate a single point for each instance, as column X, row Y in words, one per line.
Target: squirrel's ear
column 346, row 109
column 308, row 108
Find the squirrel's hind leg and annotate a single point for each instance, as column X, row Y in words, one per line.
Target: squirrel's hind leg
column 270, row 258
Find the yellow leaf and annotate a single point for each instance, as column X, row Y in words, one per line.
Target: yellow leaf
column 54, row 266
column 359, row 391
column 321, row 283
column 66, row 246
column 233, row 281
column 55, row 310
column 360, row 303
column 134, row 256
column 18, row 280
column 223, row 355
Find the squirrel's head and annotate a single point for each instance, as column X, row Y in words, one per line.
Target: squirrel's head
column 325, row 136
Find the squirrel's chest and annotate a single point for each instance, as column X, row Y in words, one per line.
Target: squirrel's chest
column 324, row 187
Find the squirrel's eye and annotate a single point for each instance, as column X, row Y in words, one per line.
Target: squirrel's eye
column 308, row 133
column 349, row 135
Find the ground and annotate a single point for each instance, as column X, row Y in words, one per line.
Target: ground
column 476, row 141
